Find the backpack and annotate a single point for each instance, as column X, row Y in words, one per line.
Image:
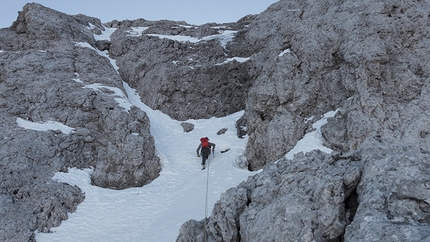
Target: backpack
column 205, row 142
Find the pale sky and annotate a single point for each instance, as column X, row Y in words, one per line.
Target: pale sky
column 192, row 11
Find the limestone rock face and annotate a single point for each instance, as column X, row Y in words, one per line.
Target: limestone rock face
column 36, row 23
column 394, row 194
column 128, row 159
column 308, row 199
column 51, row 72
column 298, row 77
column 366, row 58
column 380, row 194
column 368, row 61
column 182, row 70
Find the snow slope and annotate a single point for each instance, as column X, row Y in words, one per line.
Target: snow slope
column 156, row 211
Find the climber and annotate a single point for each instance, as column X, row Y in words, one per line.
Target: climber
column 205, row 147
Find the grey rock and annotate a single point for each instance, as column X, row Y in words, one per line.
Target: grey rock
column 270, row 140
column 188, row 127
column 366, row 60
column 185, row 80
column 46, row 76
column 36, row 23
column 196, row 232
column 298, row 77
column 222, row 131
column 294, row 200
column 339, row 55
column 393, row 196
column 241, row 162
column 241, row 127
column 27, row 207
column 128, row 159
column 103, row 45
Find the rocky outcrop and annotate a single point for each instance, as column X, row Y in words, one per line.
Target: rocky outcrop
column 366, row 59
column 185, row 71
column 298, row 77
column 381, row 194
column 371, row 53
column 394, row 194
column 306, row 199
column 50, row 72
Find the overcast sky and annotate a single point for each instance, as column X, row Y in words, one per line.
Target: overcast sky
column 192, row 11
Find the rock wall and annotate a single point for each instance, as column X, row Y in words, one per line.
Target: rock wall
column 305, row 199
column 368, row 60
column 48, row 74
column 182, row 70
column 380, row 194
column 367, row 57
column 393, row 194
